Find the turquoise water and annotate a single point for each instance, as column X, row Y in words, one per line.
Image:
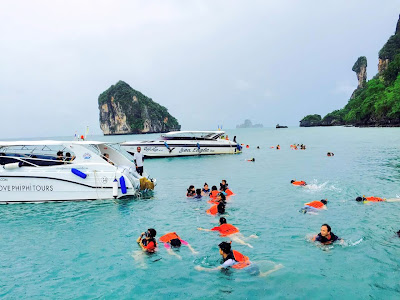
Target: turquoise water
column 85, row 249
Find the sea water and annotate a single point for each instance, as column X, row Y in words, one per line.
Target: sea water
column 88, row 249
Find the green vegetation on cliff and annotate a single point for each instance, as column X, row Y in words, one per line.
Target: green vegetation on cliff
column 137, row 107
column 377, row 103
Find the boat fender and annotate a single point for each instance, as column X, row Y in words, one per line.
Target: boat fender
column 115, row 188
column 11, row 166
column 122, row 184
column 198, row 146
column 78, row 173
column 238, row 147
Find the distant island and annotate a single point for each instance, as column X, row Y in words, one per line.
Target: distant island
column 124, row 110
column 373, row 103
column 248, row 124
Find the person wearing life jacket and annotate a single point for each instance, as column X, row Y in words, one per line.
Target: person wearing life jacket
column 376, row 199
column 205, row 190
column 191, row 191
column 314, row 206
column 223, row 185
column 326, row 236
column 236, row 260
column 253, row 159
column 278, row 147
column 220, row 198
column 214, row 192
column 226, row 229
column 147, row 240
column 227, row 191
column 172, row 240
column 217, row 209
column 302, row 183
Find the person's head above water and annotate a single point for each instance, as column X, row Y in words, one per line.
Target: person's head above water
column 225, row 247
column 221, row 197
column 151, row 232
column 191, row 188
column 205, row 185
column 325, row 229
column 175, row 243
column 291, row 181
column 324, row 201
column 198, row 192
column 359, row 199
column 222, row 220
column 214, row 188
column 398, row 233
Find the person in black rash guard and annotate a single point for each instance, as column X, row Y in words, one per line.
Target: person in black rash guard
column 326, row 236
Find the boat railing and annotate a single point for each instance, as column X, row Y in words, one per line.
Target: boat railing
column 30, row 161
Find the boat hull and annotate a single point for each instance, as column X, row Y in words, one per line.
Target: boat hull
column 171, row 149
column 59, row 186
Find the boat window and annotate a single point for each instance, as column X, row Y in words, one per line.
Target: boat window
column 36, row 155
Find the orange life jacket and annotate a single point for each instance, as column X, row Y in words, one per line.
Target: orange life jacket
column 243, row 261
column 166, row 238
column 227, row 229
column 214, row 194
column 228, row 192
column 374, row 199
column 315, row 204
column 213, row 210
column 299, row 183
column 212, row 201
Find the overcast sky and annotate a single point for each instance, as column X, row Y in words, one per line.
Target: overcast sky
column 209, row 62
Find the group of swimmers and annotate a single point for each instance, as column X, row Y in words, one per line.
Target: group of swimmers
column 315, row 206
column 231, row 258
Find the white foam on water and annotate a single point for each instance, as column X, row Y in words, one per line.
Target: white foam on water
column 315, row 187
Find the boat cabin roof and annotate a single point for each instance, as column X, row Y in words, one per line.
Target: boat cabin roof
column 193, row 134
column 48, row 142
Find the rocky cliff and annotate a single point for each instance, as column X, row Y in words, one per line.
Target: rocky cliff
column 124, row 110
column 248, row 124
column 376, row 102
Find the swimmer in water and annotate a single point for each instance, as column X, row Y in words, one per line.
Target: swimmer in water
column 236, row 260
column 314, row 206
column 326, row 236
column 376, row 199
column 191, row 192
column 205, row 190
column 172, row 240
column 253, row 159
column 220, row 198
column 226, row 229
column 217, row 209
column 198, row 194
column 398, row 233
column 301, row 183
column 147, row 240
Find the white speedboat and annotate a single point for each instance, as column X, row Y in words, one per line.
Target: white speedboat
column 185, row 143
column 36, row 171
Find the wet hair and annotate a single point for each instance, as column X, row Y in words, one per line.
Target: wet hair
column 222, row 220
column 359, row 199
column 221, row 207
column 222, row 195
column 225, row 247
column 291, row 181
column 214, row 188
column 327, row 226
column 224, row 180
column 324, row 201
column 152, row 232
column 205, row 183
column 175, row 242
column 398, row 233
column 190, row 188
column 198, row 191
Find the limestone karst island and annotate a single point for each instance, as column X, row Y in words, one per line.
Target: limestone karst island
column 124, row 110
column 373, row 103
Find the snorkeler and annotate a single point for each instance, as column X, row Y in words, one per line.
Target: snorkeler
column 148, row 243
column 226, row 229
column 302, row 183
column 326, row 236
column 171, row 239
column 376, row 199
column 191, row 192
column 314, row 206
column 217, row 209
column 236, row 260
